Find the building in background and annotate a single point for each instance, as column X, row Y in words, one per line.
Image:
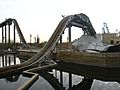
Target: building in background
column 111, row 38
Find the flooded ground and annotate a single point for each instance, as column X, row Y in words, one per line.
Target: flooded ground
column 52, row 80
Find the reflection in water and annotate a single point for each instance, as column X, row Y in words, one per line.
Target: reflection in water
column 84, row 85
column 55, row 80
column 75, row 82
column 101, row 85
column 8, row 59
column 52, row 81
column 12, row 79
column 12, row 83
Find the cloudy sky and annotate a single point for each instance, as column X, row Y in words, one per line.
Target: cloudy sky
column 42, row 16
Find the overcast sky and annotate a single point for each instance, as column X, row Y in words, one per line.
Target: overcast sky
column 42, row 16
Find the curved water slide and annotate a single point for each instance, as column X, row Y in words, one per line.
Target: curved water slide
column 20, row 34
column 9, row 22
column 50, row 45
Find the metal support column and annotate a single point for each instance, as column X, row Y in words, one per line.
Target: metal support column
column 70, row 80
column 9, row 34
column 3, row 38
column 5, row 35
column 69, row 36
column 60, row 41
column 14, row 37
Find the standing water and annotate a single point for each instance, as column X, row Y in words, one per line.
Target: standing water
column 49, row 80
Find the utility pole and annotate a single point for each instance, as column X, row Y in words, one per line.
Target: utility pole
column 30, row 38
column 35, row 39
column 38, row 39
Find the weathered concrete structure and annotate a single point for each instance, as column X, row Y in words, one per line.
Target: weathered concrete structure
column 111, row 38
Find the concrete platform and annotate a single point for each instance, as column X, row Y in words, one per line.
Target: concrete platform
column 93, row 59
column 85, row 58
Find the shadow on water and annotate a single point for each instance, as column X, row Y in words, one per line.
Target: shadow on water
column 64, row 77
